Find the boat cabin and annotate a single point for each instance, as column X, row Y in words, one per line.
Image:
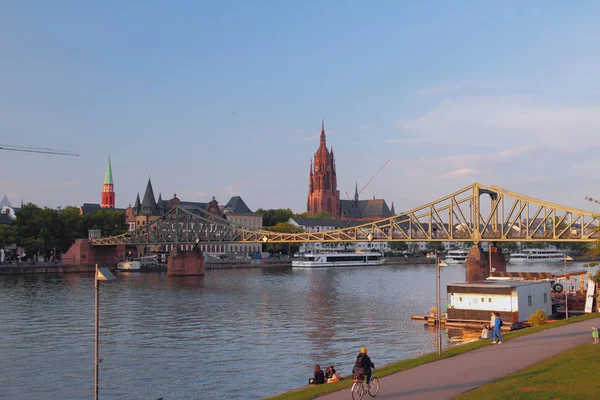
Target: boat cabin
column 514, row 300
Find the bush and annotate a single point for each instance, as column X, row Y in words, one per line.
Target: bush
column 538, row 318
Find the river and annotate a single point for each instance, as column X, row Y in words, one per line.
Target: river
column 242, row 334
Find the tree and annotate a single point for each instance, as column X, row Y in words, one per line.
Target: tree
column 398, row 247
column 321, row 215
column 284, row 227
column 275, row 216
column 434, row 246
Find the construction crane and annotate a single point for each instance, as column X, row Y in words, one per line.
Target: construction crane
column 31, row 149
column 370, row 180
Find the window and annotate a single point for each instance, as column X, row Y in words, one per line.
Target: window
column 482, row 300
column 545, row 298
column 460, row 299
column 490, row 300
column 529, row 301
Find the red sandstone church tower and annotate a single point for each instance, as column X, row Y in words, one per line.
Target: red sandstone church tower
column 108, row 191
column 322, row 189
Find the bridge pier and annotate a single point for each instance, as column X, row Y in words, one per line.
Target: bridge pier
column 83, row 253
column 185, row 263
column 478, row 266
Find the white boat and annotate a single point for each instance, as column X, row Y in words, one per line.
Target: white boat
column 139, row 264
column 347, row 259
column 456, row 256
column 536, row 255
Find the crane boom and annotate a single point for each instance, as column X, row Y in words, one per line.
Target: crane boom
column 374, row 176
column 30, row 149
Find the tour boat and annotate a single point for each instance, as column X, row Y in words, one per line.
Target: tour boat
column 146, row 263
column 346, row 259
column 536, row 255
column 456, row 256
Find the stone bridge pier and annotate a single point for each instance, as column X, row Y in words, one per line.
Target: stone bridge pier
column 185, row 263
column 480, row 266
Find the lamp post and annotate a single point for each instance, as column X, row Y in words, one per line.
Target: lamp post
column 102, row 274
column 438, row 313
column 566, row 288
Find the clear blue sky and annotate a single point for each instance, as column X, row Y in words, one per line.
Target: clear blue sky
column 226, row 98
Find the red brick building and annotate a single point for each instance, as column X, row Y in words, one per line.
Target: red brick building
column 322, row 189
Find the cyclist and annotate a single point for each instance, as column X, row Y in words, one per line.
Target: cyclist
column 363, row 365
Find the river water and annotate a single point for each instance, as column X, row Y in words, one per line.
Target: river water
column 242, row 334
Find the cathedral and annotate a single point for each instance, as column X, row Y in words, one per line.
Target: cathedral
column 323, row 194
column 322, row 188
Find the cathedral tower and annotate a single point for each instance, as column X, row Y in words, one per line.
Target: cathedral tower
column 322, row 188
column 108, row 191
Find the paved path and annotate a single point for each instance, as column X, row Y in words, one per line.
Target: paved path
column 447, row 378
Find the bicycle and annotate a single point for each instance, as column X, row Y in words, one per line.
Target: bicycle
column 360, row 387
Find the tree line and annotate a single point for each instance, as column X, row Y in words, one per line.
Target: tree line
column 43, row 229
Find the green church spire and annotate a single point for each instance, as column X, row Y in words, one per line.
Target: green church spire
column 108, row 174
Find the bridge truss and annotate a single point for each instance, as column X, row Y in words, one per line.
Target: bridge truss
column 474, row 214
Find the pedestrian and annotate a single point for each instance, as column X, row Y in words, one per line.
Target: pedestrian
column 497, row 329
column 319, row 377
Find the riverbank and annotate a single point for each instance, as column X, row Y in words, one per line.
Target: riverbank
column 412, row 378
column 45, row 268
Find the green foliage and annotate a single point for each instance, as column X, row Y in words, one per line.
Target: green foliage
column 434, row 246
column 538, row 318
column 570, row 375
column 509, row 247
column 42, row 229
column 275, row 216
column 398, row 247
column 321, row 215
column 283, row 227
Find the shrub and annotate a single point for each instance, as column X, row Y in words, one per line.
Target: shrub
column 538, row 318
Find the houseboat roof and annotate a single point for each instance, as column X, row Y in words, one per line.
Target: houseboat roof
column 495, row 283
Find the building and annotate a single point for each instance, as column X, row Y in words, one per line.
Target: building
column 365, row 210
column 149, row 209
column 514, row 300
column 322, row 187
column 108, row 190
column 324, row 225
column 323, row 194
column 107, row 200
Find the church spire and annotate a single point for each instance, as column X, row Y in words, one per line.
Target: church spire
column 392, row 210
column 323, row 144
column 356, row 192
column 108, row 180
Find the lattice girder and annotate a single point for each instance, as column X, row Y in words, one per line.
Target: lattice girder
column 458, row 217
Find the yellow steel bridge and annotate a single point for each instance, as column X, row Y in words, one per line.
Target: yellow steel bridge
column 474, row 214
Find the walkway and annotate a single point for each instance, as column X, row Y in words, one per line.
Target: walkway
column 447, row 378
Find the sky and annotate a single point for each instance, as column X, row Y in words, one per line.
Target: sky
column 226, row 99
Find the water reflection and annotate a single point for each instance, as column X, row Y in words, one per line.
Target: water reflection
column 191, row 337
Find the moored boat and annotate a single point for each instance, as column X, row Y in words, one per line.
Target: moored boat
column 456, row 256
column 536, row 255
column 347, row 259
column 142, row 264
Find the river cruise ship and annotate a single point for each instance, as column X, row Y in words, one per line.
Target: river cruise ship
column 536, row 255
column 456, row 256
column 348, row 259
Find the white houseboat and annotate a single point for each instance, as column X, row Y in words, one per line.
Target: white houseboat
column 456, row 256
column 146, row 263
column 536, row 255
column 348, row 259
column 515, row 300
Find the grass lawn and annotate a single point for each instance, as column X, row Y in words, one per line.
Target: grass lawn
column 570, row 375
column 313, row 391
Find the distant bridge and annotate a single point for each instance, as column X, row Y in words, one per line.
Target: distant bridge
column 459, row 217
